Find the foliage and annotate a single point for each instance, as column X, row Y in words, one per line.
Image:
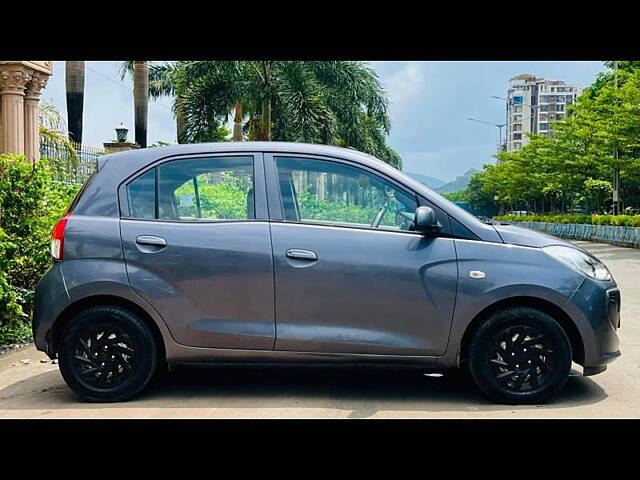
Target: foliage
column 311, row 208
column 457, row 196
column 53, row 130
column 336, row 103
column 30, row 204
column 616, row 220
column 161, row 143
column 226, row 199
column 574, row 166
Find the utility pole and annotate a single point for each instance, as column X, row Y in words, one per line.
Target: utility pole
column 616, row 168
column 499, row 125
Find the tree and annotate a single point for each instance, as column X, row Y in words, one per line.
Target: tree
column 595, row 193
column 54, row 131
column 139, row 70
column 340, row 103
column 74, row 77
column 599, row 138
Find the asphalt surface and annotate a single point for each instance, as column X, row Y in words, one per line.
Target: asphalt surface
column 36, row 390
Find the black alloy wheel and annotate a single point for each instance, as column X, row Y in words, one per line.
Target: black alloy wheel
column 520, row 355
column 107, row 354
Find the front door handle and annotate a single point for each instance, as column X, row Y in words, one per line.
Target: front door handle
column 151, row 240
column 301, row 254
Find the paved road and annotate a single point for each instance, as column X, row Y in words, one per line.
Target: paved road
column 36, row 390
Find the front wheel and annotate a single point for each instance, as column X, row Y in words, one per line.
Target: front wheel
column 107, row 354
column 520, row 356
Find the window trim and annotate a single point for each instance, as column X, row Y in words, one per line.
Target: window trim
column 259, row 187
column 275, row 200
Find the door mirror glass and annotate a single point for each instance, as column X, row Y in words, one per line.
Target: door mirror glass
column 425, row 221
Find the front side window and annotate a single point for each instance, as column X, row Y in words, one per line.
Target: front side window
column 318, row 191
column 219, row 188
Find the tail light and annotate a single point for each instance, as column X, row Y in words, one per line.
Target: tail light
column 57, row 237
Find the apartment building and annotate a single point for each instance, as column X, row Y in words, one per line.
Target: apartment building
column 533, row 103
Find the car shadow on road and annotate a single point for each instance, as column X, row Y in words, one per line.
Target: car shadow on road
column 362, row 391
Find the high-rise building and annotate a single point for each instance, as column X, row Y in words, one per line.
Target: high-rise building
column 533, row 103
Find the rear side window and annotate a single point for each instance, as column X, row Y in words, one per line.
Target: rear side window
column 86, row 183
column 219, row 188
column 141, row 194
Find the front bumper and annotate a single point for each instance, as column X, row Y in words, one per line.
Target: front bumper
column 599, row 305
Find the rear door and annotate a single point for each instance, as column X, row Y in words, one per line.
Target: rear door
column 197, row 247
column 349, row 275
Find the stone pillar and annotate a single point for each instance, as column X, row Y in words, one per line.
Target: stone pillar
column 115, row 147
column 31, row 116
column 12, row 86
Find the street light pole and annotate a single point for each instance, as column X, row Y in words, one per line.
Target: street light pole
column 499, row 125
column 534, row 110
column 616, row 169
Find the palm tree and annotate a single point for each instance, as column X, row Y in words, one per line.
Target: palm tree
column 139, row 70
column 53, row 131
column 339, row 102
column 74, row 76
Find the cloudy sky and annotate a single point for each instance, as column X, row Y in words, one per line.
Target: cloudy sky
column 430, row 103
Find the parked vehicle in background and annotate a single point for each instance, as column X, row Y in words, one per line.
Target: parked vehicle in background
column 292, row 253
column 520, row 212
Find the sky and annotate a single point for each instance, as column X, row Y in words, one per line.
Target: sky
column 429, row 103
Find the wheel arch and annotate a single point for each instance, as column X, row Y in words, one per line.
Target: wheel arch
column 71, row 311
column 551, row 309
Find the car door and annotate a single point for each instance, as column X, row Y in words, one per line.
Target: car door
column 349, row 275
column 196, row 242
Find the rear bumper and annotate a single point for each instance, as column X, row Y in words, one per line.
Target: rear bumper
column 51, row 298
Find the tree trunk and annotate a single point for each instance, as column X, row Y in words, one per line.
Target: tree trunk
column 141, row 100
column 266, row 119
column 74, row 76
column 616, row 189
column 180, row 122
column 237, row 123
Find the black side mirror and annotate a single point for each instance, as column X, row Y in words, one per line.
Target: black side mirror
column 425, row 221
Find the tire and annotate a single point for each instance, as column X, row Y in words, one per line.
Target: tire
column 531, row 368
column 107, row 354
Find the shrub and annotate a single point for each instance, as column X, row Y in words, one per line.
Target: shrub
column 30, row 204
column 616, row 220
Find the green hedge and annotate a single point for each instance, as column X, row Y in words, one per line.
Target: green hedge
column 31, row 202
column 615, row 220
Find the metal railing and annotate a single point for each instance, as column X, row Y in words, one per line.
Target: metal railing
column 65, row 170
column 615, row 235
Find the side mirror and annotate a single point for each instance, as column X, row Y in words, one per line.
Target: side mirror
column 425, row 221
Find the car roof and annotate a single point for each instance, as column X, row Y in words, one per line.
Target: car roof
column 138, row 158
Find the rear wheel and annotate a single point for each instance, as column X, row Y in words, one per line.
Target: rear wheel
column 107, row 354
column 520, row 356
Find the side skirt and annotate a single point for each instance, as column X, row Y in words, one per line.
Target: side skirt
column 180, row 354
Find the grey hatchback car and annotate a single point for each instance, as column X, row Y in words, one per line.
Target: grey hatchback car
column 268, row 252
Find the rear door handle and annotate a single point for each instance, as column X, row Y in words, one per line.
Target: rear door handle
column 151, row 240
column 301, row 254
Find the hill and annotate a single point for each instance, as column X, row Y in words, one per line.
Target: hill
column 460, row 183
column 430, row 182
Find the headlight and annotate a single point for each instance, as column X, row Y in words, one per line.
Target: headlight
column 578, row 260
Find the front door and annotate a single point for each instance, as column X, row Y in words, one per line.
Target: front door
column 349, row 275
column 197, row 247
